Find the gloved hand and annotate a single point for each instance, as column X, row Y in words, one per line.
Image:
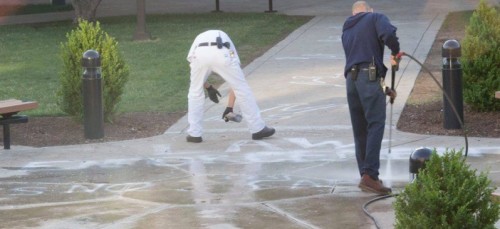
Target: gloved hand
column 227, row 111
column 213, row 93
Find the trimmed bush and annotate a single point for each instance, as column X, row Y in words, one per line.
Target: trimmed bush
column 114, row 71
column 481, row 59
column 447, row 194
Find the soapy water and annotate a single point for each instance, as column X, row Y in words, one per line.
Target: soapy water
column 388, row 172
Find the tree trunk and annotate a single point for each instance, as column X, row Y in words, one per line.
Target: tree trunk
column 85, row 9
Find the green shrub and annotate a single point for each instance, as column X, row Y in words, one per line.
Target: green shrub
column 447, row 194
column 481, row 59
column 113, row 69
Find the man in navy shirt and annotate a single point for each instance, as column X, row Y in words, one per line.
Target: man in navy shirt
column 364, row 36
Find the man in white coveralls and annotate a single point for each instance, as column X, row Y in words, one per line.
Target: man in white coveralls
column 213, row 51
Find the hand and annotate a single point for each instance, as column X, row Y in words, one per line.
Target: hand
column 395, row 63
column 227, row 111
column 396, row 59
column 213, row 93
column 391, row 93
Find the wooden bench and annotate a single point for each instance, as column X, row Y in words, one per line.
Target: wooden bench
column 8, row 110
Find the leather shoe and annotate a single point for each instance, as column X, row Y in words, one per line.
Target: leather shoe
column 190, row 138
column 266, row 132
column 368, row 184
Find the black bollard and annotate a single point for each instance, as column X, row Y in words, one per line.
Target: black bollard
column 418, row 158
column 93, row 115
column 452, row 85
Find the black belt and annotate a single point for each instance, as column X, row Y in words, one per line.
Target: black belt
column 207, row 44
column 225, row 44
column 362, row 67
column 357, row 68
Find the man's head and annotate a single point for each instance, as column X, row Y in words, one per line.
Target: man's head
column 361, row 6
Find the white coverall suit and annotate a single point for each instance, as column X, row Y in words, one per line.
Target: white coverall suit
column 225, row 62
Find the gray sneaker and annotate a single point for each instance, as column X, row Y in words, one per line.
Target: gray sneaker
column 190, row 138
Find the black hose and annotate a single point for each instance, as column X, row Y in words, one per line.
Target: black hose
column 374, row 200
column 462, row 125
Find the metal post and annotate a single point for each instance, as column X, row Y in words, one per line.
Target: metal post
column 93, row 115
column 270, row 7
column 6, row 136
column 217, row 7
column 58, row 2
column 5, row 121
column 452, row 85
column 140, row 32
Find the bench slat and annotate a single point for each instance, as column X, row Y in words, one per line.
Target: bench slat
column 14, row 106
column 9, row 102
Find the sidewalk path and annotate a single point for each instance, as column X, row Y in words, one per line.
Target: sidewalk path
column 303, row 177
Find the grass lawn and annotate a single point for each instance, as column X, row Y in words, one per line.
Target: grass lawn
column 30, row 61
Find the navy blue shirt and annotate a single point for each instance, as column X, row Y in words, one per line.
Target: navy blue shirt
column 363, row 38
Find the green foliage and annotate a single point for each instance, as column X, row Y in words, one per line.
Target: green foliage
column 113, row 69
column 447, row 194
column 481, row 59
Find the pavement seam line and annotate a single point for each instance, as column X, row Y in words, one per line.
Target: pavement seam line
column 417, row 47
column 289, row 216
column 136, row 217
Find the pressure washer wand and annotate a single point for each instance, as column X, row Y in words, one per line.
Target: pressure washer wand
column 393, row 76
column 393, row 79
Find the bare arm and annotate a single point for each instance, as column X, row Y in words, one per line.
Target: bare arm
column 231, row 99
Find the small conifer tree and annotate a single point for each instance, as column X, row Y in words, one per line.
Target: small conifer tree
column 447, row 194
column 114, row 71
column 481, row 59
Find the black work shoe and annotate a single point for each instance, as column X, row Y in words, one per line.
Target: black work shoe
column 190, row 138
column 266, row 132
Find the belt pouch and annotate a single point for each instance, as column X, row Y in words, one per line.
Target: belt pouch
column 372, row 72
column 219, row 42
column 354, row 72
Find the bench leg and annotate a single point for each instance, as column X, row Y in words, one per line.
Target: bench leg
column 6, row 136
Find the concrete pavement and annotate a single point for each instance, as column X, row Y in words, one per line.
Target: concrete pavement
column 303, row 177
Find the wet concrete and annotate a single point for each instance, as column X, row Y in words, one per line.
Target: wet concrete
column 303, row 177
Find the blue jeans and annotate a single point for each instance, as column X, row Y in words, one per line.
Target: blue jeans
column 366, row 100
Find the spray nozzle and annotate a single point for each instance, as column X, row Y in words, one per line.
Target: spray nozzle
column 400, row 55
